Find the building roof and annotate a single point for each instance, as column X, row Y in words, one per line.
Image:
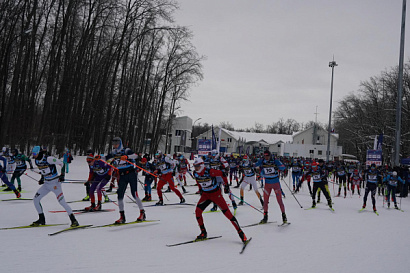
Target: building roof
column 257, row 137
column 300, row 132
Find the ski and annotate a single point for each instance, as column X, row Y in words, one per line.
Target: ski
column 77, row 211
column 257, row 224
column 245, row 244
column 13, row 199
column 29, row 226
column 375, row 211
column 284, row 224
column 11, row 192
column 172, row 204
column 129, row 223
column 331, row 209
column 195, row 241
column 69, row 229
column 396, row 209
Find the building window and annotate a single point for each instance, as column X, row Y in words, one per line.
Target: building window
column 319, row 152
column 178, row 132
column 278, row 145
column 311, row 151
column 229, row 139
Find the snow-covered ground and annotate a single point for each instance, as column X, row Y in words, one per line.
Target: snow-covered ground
column 316, row 241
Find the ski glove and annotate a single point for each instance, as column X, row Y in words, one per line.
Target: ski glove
column 61, row 178
column 226, row 188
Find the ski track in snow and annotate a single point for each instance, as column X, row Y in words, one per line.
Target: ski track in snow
column 316, row 241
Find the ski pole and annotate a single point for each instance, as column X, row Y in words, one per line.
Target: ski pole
column 292, row 194
column 31, row 177
column 245, row 202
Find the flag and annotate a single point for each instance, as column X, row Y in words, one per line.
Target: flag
column 218, row 147
column 379, row 142
column 213, row 138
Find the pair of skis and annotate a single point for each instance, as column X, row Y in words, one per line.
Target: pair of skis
column 258, row 224
column 375, row 211
column 245, row 244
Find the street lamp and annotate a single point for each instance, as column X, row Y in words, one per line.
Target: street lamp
column 400, row 89
column 332, row 64
column 193, row 127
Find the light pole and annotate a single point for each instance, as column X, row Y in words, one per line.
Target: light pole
column 193, row 127
column 332, row 64
column 400, row 89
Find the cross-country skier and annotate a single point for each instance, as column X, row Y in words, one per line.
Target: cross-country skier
column 99, row 175
column 355, row 179
column 165, row 167
column 371, row 176
column 11, row 164
column 211, row 192
column 319, row 175
column 21, row 167
column 392, row 181
column 50, row 181
column 3, row 177
column 246, row 167
column 269, row 169
column 120, row 158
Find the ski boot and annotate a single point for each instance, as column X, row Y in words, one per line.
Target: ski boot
column 395, row 206
column 203, row 234
column 241, row 202
column 160, row 203
column 265, row 218
column 98, row 206
column 17, row 193
column 183, row 189
column 364, row 206
column 388, row 204
column 74, row 222
column 110, row 189
column 374, row 208
column 329, row 203
column 234, row 205
column 182, row 200
column 145, row 197
column 90, row 208
column 87, row 198
column 242, row 236
column 168, row 190
column 19, row 188
column 214, row 208
column 122, row 218
column 314, row 203
column 142, row 216
column 41, row 221
column 284, row 219
column 149, row 197
column 106, row 199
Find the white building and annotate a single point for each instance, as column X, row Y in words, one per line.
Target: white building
column 179, row 137
column 311, row 142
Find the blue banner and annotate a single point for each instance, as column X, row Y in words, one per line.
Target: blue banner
column 374, row 157
column 204, row 146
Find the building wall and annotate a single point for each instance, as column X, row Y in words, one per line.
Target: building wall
column 228, row 143
column 179, row 138
column 320, row 139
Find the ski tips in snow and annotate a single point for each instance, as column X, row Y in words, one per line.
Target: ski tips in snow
column 195, row 241
column 245, row 244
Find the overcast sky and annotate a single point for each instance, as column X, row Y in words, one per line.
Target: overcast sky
column 269, row 59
